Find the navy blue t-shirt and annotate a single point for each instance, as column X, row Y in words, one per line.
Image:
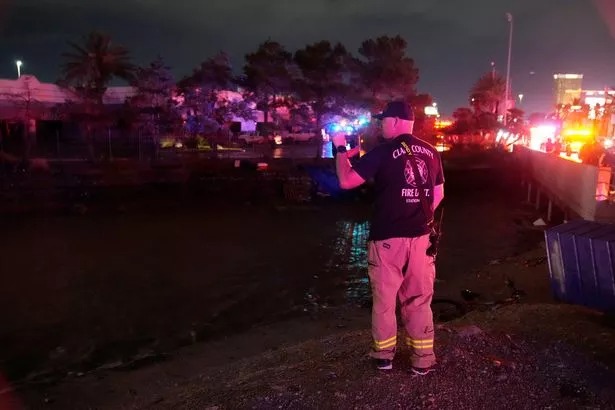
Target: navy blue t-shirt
column 398, row 209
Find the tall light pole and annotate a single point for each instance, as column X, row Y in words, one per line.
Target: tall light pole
column 509, row 17
column 18, row 63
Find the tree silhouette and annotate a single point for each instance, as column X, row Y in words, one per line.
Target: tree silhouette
column 488, row 92
column 87, row 71
column 386, row 72
column 267, row 78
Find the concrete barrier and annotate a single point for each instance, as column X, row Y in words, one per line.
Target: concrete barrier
column 581, row 188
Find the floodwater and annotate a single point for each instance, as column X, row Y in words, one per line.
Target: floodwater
column 296, row 151
column 93, row 288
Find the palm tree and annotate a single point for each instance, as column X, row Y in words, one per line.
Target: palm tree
column 90, row 67
column 488, row 92
column 88, row 70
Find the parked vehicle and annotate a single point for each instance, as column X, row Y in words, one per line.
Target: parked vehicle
column 299, row 137
column 254, row 138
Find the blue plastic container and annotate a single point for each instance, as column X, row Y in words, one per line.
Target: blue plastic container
column 581, row 257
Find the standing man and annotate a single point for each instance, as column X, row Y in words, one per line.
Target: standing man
column 398, row 264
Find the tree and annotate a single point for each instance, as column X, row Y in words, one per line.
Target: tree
column 90, row 67
column 27, row 106
column 208, row 104
column 153, row 102
column 488, row 92
column 516, row 124
column 301, row 115
column 424, row 126
column 200, row 93
column 267, row 78
column 486, row 122
column 88, row 70
column 323, row 85
column 515, row 115
column 386, row 71
column 465, row 121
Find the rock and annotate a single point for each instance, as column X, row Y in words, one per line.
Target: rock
column 539, row 222
column 444, row 328
column 469, row 331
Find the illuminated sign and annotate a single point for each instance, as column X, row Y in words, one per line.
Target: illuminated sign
column 568, row 76
column 431, row 110
column 442, row 124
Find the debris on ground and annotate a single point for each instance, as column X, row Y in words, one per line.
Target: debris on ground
column 539, row 222
column 540, row 356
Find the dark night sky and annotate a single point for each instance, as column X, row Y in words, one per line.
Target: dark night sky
column 452, row 41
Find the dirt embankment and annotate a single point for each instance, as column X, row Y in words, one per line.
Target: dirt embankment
column 522, row 356
column 530, row 356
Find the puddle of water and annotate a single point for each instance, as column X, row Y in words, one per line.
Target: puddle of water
column 344, row 277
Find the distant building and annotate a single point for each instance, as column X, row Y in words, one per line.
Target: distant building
column 30, row 106
column 38, row 102
column 600, row 102
column 41, row 98
column 597, row 97
column 432, row 110
column 567, row 88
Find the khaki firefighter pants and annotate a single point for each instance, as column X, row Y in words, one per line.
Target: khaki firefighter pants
column 399, row 268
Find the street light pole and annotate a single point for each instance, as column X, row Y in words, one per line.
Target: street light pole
column 509, row 17
column 18, row 63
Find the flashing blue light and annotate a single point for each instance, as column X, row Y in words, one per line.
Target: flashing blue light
column 336, row 128
column 344, row 126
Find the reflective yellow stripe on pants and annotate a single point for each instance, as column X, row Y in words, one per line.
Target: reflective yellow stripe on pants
column 420, row 344
column 385, row 344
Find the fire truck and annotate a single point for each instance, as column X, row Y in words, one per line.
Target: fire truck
column 577, row 129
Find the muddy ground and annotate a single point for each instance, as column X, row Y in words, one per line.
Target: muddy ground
column 528, row 355
column 261, row 295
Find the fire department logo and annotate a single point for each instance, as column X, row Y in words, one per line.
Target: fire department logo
column 409, row 174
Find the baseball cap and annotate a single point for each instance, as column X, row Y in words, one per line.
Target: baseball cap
column 396, row 109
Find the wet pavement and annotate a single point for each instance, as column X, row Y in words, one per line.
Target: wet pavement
column 81, row 291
